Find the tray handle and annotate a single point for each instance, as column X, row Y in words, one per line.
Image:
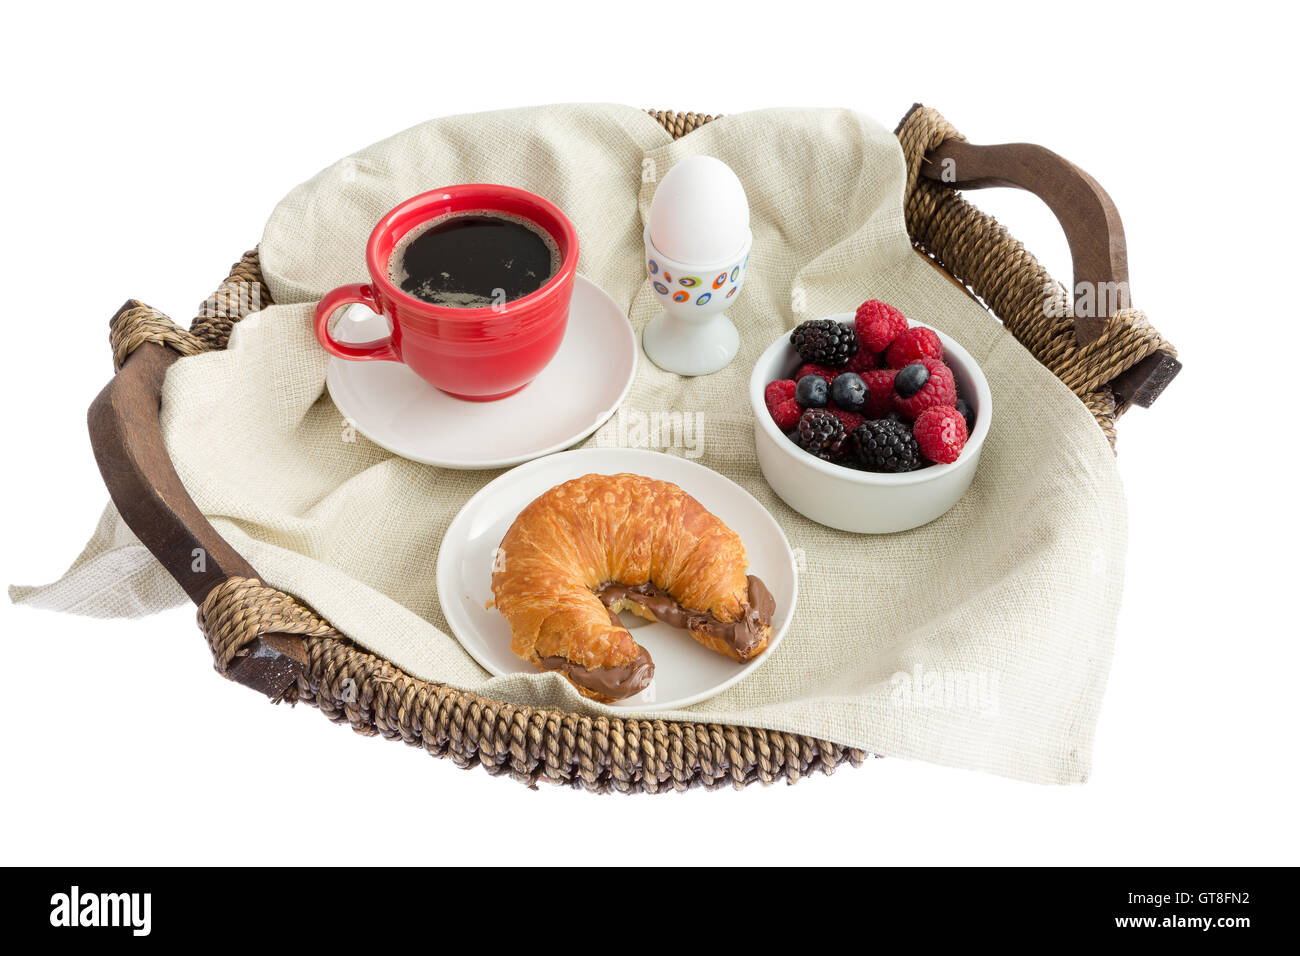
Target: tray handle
column 126, row 436
column 1092, row 228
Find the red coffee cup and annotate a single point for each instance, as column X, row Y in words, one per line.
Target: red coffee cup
column 475, row 354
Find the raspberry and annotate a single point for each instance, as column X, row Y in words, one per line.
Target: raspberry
column 939, row 389
column 850, row 420
column 878, row 324
column 940, row 433
column 825, row 342
column 786, row 414
column 821, row 434
column 778, row 392
column 880, row 393
column 885, row 446
column 913, row 344
column 811, row 369
column 864, row 360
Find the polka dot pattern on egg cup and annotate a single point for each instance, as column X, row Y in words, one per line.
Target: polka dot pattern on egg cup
column 722, row 284
column 692, row 334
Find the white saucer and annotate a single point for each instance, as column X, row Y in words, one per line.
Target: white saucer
column 573, row 396
column 685, row 672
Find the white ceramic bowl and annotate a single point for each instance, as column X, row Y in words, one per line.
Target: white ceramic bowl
column 862, row 501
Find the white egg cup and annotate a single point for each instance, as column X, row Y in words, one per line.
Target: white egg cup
column 692, row 335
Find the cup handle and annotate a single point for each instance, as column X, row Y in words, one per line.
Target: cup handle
column 381, row 350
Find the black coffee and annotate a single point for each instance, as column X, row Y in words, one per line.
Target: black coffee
column 473, row 260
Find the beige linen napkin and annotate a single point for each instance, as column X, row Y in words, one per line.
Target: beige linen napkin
column 982, row 640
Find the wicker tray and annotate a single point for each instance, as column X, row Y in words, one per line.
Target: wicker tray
column 271, row 642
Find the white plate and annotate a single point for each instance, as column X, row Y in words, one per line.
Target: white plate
column 685, row 672
column 573, row 396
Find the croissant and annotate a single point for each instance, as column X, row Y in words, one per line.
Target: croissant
column 600, row 544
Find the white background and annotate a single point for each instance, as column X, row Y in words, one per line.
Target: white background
column 144, row 149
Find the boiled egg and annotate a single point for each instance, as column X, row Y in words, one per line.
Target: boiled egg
column 699, row 215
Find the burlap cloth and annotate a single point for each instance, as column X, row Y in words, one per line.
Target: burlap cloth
column 982, row 640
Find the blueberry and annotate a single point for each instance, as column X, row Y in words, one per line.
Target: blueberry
column 967, row 413
column 811, row 391
column 793, row 436
column 849, row 392
column 911, row 379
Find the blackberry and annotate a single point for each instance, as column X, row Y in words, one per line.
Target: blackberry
column 811, row 391
column 821, row 434
column 884, row 445
column 825, row 342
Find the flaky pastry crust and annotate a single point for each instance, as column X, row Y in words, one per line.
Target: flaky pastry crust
column 629, row 530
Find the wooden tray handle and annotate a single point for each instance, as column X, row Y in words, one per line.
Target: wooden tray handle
column 127, row 439
column 1092, row 228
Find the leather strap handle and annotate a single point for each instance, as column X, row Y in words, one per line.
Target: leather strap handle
column 1092, row 228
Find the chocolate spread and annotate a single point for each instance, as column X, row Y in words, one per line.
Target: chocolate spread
column 623, row 681
column 741, row 636
column 615, row 683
